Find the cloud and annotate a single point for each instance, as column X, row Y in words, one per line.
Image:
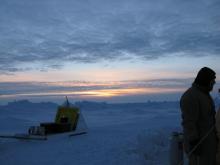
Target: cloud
column 52, row 32
column 116, row 91
column 22, row 88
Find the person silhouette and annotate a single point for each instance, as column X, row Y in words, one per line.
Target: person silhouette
column 218, row 129
column 198, row 119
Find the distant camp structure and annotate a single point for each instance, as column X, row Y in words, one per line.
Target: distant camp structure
column 66, row 120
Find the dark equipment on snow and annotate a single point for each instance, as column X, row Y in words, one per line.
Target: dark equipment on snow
column 67, row 120
column 176, row 148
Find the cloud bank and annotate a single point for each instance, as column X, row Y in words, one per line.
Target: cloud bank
column 52, row 32
column 112, row 91
column 86, row 88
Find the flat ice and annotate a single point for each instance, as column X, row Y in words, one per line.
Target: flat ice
column 117, row 135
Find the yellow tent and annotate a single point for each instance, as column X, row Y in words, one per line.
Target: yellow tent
column 67, row 115
column 66, row 120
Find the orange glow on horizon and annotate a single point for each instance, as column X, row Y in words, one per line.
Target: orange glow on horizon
column 99, row 93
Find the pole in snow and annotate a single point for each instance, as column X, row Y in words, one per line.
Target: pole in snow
column 176, row 148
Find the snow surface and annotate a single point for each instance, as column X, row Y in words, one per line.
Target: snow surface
column 131, row 134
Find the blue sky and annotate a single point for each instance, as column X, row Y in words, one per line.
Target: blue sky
column 100, row 41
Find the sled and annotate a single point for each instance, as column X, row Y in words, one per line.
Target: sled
column 23, row 136
column 68, row 120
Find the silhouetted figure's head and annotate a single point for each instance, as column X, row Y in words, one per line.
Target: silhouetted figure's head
column 205, row 78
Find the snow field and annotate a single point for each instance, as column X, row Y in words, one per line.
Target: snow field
column 115, row 137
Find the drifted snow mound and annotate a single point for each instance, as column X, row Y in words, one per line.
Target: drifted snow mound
column 153, row 147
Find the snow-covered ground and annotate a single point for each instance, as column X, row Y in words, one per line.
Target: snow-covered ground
column 134, row 135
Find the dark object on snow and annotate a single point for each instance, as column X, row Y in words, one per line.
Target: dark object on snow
column 65, row 121
column 68, row 120
column 51, row 128
column 176, row 149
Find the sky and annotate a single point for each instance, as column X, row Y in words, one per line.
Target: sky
column 99, row 50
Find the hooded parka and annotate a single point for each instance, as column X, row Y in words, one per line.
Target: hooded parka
column 218, row 135
column 198, row 118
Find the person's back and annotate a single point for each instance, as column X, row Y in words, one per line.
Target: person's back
column 198, row 118
column 218, row 132
column 218, row 135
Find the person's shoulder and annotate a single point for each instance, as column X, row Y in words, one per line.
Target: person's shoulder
column 190, row 93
